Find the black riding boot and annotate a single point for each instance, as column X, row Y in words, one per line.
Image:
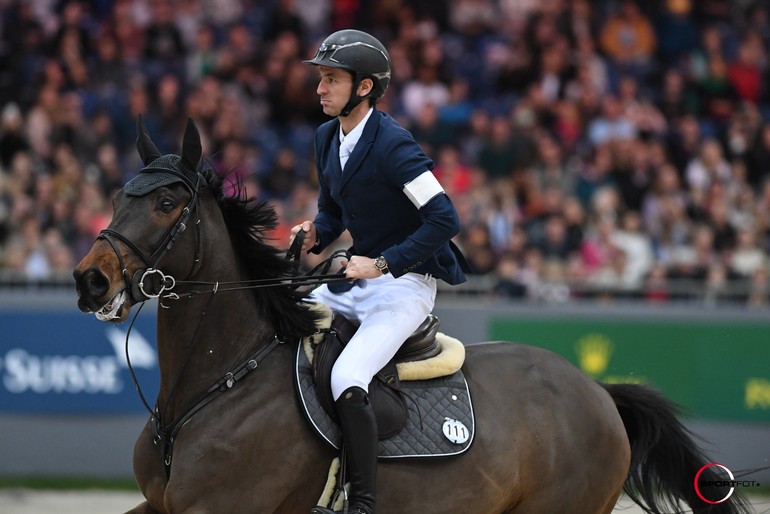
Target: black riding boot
column 359, row 434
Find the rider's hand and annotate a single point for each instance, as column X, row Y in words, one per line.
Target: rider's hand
column 310, row 235
column 361, row 267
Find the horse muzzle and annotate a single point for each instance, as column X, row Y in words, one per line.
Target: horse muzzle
column 94, row 295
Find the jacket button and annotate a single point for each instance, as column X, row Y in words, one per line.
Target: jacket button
column 353, row 216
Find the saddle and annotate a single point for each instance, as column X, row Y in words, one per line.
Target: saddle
column 385, row 392
column 423, row 407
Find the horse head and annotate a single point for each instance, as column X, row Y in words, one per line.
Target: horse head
column 151, row 214
column 217, row 234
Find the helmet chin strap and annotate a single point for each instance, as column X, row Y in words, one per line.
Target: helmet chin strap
column 354, row 98
column 352, row 104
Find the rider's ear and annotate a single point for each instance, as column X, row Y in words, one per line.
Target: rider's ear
column 147, row 149
column 365, row 87
column 191, row 146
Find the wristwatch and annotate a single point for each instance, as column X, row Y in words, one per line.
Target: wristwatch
column 381, row 264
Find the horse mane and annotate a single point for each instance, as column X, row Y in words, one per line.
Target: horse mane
column 248, row 221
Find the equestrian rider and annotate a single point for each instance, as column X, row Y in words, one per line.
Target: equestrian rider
column 376, row 182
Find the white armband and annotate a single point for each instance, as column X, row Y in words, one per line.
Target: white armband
column 422, row 189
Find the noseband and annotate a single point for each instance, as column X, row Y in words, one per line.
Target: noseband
column 143, row 279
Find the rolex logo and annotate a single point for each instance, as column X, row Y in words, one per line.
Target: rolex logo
column 594, row 352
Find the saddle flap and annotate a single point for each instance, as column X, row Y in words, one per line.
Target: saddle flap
column 324, row 356
column 343, row 327
column 340, row 331
column 389, row 407
column 388, row 402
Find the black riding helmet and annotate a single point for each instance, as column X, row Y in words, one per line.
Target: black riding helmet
column 362, row 55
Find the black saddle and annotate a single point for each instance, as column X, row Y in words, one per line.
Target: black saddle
column 385, row 393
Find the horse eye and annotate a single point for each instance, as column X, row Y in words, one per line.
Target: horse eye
column 166, row 205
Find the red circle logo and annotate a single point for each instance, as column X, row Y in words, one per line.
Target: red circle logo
column 697, row 485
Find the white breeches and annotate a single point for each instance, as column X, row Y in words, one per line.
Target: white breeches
column 389, row 310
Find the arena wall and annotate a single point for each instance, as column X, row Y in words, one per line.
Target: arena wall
column 68, row 405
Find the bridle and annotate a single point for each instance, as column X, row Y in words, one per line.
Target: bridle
column 138, row 284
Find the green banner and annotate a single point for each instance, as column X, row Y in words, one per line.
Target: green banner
column 714, row 370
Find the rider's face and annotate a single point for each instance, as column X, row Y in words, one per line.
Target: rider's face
column 334, row 88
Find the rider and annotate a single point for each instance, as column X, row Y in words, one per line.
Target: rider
column 376, row 182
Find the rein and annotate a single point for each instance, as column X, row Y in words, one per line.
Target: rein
column 316, row 276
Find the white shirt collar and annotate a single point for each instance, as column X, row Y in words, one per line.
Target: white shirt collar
column 354, row 135
column 348, row 142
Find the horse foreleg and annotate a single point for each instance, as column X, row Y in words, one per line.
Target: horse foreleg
column 144, row 508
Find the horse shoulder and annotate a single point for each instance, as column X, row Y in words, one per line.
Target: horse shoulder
column 258, row 433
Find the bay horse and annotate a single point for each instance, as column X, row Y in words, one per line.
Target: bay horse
column 548, row 438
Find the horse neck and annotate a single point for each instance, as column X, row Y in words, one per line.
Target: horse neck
column 202, row 337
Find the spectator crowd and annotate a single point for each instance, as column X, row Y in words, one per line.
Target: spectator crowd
column 609, row 148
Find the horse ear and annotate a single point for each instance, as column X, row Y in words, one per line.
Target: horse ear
column 147, row 149
column 191, row 146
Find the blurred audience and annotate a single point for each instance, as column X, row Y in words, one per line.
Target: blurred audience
column 608, row 149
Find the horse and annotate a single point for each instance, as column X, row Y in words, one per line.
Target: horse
column 549, row 439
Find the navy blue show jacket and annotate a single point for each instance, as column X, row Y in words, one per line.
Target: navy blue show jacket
column 368, row 200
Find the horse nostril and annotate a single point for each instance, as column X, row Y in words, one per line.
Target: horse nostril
column 92, row 282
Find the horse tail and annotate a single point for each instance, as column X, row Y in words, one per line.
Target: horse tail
column 664, row 456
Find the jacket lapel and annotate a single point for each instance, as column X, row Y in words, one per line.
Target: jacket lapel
column 361, row 149
column 334, row 157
